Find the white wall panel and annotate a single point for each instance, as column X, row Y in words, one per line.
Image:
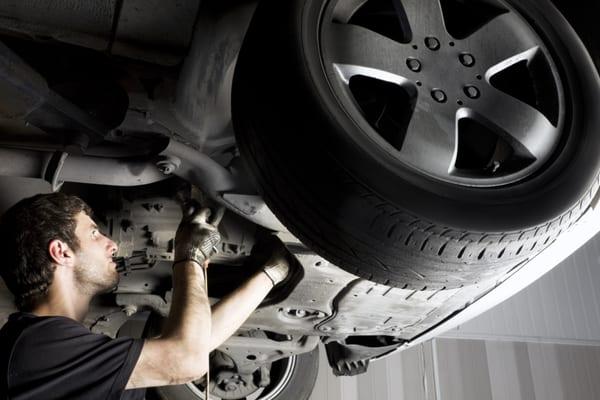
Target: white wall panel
column 563, row 306
column 463, row 370
column 404, row 376
column 473, row 370
column 509, row 371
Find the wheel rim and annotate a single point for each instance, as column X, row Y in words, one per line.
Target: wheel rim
column 268, row 393
column 468, row 96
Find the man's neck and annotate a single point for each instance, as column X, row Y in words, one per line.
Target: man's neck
column 68, row 310
column 64, row 299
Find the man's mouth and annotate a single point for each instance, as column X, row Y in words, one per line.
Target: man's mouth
column 119, row 263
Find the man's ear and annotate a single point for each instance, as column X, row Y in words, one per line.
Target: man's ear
column 60, row 252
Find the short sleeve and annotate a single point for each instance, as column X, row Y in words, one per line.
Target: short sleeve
column 59, row 358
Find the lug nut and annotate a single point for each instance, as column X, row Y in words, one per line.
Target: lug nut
column 168, row 165
column 413, row 64
column 467, row 59
column 472, row 91
column 432, row 43
column 439, row 95
column 231, row 387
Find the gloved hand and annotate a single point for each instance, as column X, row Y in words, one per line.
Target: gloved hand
column 196, row 238
column 277, row 266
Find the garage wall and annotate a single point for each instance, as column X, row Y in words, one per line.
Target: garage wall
column 561, row 307
column 405, row 376
column 459, row 369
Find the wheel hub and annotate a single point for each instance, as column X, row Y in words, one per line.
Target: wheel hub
column 461, row 105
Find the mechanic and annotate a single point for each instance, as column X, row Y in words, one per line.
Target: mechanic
column 56, row 260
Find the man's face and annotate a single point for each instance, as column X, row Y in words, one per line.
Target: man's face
column 95, row 271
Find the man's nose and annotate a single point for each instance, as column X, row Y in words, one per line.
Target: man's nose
column 112, row 246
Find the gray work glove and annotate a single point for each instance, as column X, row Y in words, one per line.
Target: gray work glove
column 277, row 266
column 196, row 237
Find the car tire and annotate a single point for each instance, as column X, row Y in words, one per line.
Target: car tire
column 298, row 385
column 339, row 184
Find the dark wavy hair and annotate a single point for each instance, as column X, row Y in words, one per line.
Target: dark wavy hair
column 26, row 230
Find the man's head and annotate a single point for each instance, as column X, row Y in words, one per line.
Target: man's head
column 47, row 231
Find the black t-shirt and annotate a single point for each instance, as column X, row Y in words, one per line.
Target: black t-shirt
column 59, row 358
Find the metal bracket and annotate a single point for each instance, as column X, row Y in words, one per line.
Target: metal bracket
column 53, row 169
column 250, row 353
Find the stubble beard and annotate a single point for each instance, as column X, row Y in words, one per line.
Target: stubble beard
column 93, row 279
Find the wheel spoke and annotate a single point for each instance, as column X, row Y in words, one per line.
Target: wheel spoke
column 515, row 119
column 425, row 18
column 500, row 40
column 430, row 141
column 356, row 46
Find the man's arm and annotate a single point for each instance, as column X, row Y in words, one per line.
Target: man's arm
column 181, row 353
column 234, row 309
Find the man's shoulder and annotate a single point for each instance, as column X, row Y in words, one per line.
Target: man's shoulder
column 26, row 323
column 49, row 348
column 28, row 333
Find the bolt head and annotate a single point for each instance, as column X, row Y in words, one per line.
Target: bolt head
column 439, row 95
column 432, row 43
column 467, row 59
column 231, row 387
column 472, row 92
column 166, row 167
column 413, row 64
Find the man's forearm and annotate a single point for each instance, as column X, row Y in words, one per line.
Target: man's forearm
column 234, row 309
column 190, row 316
